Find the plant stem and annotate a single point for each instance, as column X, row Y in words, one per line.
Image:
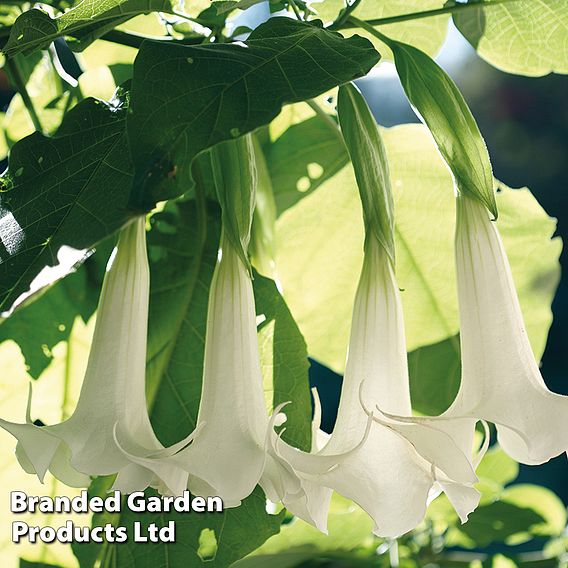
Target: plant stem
column 347, row 23
column 190, row 19
column 325, row 117
column 20, row 85
column 364, row 24
column 292, row 3
column 135, row 40
column 344, row 15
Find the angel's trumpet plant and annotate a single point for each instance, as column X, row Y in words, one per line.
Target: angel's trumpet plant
column 501, row 381
column 113, row 389
column 391, row 474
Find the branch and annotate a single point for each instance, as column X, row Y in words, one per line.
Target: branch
column 20, row 85
column 459, row 7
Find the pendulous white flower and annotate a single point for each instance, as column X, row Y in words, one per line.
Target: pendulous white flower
column 392, row 474
column 113, row 389
column 501, row 381
column 400, row 463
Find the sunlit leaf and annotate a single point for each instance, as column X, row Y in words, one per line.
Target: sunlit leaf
column 320, row 244
column 527, row 37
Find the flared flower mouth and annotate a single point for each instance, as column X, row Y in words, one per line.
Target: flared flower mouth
column 501, row 380
column 113, row 389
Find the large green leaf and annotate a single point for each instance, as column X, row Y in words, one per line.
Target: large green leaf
column 215, row 540
column 70, row 190
column 223, row 91
column 527, row 37
column 183, row 247
column 320, row 244
column 35, row 29
column 304, row 157
column 38, row 327
column 284, row 359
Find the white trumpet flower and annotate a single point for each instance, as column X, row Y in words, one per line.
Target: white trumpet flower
column 237, row 447
column 113, row 389
column 501, row 381
column 391, row 474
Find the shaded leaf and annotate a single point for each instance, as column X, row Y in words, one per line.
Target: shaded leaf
column 285, row 361
column 35, row 29
column 183, row 246
column 434, row 372
column 223, row 91
column 70, row 190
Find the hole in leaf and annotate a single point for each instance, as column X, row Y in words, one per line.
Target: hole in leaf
column 315, row 171
column 303, row 184
column 207, row 545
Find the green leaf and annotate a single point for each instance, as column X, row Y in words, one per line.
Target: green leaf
column 444, row 110
column 320, row 251
column 183, row 246
column 54, row 398
column 35, row 29
column 223, row 91
column 368, row 156
column 527, row 37
column 427, row 34
column 349, row 528
column 285, row 363
column 303, row 158
column 497, row 522
column 37, row 328
column 542, row 501
column 434, row 371
column 236, row 532
column 523, row 513
column 70, row 190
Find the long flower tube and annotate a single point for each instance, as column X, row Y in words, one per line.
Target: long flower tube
column 501, row 381
column 113, row 389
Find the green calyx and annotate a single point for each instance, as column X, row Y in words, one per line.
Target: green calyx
column 235, row 179
column 365, row 146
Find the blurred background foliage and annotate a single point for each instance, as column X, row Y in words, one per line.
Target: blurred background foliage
column 522, row 517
